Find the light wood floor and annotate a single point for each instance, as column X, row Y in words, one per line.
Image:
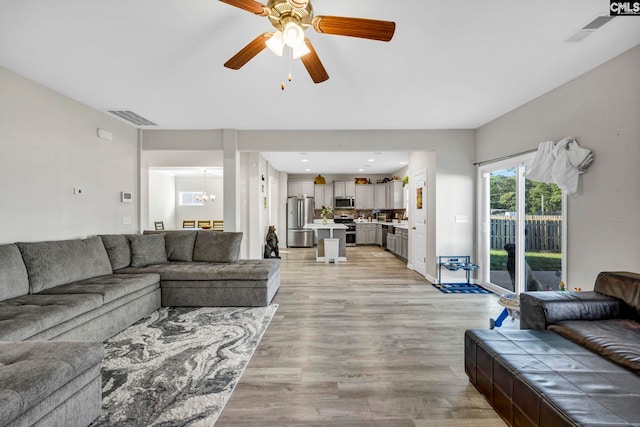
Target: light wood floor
column 363, row 343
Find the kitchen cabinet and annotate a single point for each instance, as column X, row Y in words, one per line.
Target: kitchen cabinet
column 323, row 195
column 344, row 189
column 398, row 243
column 365, row 196
column 379, row 234
column 391, row 243
column 395, row 195
column 365, row 233
column 380, row 196
column 300, row 188
column 402, row 243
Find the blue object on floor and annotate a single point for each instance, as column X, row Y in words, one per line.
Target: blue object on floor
column 460, row 288
column 498, row 322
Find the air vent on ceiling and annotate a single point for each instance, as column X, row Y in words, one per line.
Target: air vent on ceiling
column 132, row 117
column 589, row 28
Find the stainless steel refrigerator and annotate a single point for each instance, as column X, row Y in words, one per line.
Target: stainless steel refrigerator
column 299, row 213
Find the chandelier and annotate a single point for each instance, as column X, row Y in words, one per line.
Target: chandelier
column 204, row 196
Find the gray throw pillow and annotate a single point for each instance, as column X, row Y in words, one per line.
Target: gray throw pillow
column 178, row 243
column 217, row 246
column 118, row 250
column 147, row 250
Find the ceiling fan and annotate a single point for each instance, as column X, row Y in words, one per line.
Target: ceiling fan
column 291, row 18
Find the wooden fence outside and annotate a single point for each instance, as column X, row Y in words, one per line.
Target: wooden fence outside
column 544, row 232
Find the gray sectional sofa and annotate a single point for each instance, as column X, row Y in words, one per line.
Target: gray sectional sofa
column 60, row 299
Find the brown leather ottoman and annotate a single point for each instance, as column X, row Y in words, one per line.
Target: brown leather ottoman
column 538, row 378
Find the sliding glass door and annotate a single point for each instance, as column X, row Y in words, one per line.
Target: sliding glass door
column 521, row 232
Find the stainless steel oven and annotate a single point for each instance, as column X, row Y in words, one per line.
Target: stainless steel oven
column 351, row 228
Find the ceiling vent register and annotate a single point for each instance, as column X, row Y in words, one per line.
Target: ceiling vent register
column 132, row 117
column 589, row 28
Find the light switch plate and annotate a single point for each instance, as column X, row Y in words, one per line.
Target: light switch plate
column 462, row 218
column 126, row 220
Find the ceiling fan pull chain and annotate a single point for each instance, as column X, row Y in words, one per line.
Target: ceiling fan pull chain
column 290, row 55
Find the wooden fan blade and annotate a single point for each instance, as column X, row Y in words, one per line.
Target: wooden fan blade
column 355, row 27
column 249, row 5
column 247, row 53
column 313, row 65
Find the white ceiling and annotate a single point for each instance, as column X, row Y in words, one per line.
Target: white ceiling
column 352, row 163
column 450, row 65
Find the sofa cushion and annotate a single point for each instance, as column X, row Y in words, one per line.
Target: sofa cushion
column 111, row 287
column 178, row 243
column 55, row 263
column 147, row 250
column 14, row 280
column 30, row 372
column 622, row 285
column 615, row 339
column 242, row 270
column 25, row 316
column 217, row 246
column 118, row 249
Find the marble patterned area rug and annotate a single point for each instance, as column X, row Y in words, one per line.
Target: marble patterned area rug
column 179, row 365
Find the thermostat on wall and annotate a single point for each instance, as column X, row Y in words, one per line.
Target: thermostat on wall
column 125, row 197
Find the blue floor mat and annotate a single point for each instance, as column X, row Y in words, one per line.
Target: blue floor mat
column 460, row 288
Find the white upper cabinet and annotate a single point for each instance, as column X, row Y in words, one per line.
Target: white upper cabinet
column 323, row 195
column 380, row 196
column 300, row 188
column 365, row 196
column 344, row 189
column 395, row 196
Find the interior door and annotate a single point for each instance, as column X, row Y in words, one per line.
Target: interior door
column 418, row 206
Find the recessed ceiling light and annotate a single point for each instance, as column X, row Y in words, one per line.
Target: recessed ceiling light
column 307, row 170
column 360, row 170
column 372, row 160
column 403, row 163
column 305, row 160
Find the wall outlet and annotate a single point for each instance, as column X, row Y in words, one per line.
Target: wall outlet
column 78, row 191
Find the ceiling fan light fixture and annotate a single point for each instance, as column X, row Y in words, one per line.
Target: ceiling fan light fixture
column 293, row 34
column 299, row 50
column 276, row 43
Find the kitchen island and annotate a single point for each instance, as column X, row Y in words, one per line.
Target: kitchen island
column 330, row 230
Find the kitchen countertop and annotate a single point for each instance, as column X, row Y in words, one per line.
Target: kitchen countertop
column 404, row 225
column 327, row 226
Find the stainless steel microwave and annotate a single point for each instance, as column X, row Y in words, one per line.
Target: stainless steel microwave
column 345, row 203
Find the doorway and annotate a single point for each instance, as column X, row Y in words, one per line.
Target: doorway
column 522, row 237
column 418, row 204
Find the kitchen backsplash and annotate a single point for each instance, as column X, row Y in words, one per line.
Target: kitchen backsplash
column 363, row 213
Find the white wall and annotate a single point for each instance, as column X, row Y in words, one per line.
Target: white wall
column 601, row 109
column 48, row 146
column 162, row 199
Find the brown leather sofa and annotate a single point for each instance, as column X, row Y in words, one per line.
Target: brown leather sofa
column 575, row 361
